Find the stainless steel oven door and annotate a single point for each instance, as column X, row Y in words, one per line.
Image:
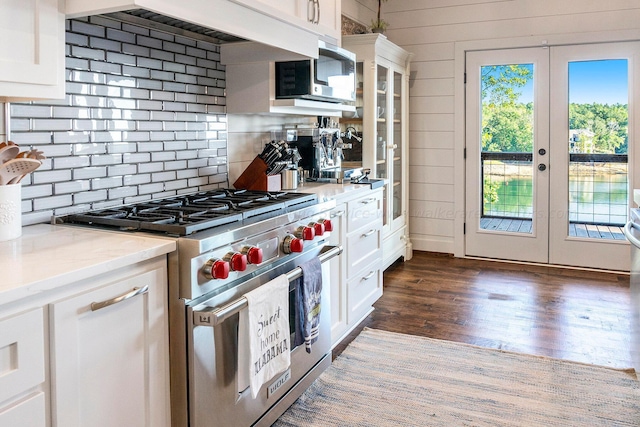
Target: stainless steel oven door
column 214, row 398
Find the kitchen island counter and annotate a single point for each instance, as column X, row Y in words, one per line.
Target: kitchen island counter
column 47, row 257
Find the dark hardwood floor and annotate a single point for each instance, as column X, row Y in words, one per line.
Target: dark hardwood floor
column 577, row 315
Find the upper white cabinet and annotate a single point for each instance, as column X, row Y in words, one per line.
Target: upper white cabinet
column 321, row 16
column 32, row 42
column 382, row 71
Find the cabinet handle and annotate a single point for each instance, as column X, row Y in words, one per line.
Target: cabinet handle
column 367, row 201
column 95, row 306
column 369, row 233
column 311, row 10
column 337, row 214
column 317, row 12
column 368, row 276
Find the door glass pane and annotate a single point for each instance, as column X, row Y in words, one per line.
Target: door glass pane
column 381, row 134
column 598, row 148
column 395, row 116
column 507, row 141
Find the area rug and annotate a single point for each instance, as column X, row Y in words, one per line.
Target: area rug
column 390, row 379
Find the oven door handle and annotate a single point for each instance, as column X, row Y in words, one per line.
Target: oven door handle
column 215, row 316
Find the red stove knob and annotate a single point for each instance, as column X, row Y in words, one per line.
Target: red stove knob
column 318, row 228
column 216, row 268
column 253, row 253
column 305, row 233
column 328, row 226
column 237, row 261
column 292, row 244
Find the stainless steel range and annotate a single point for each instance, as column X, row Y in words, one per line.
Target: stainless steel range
column 229, row 243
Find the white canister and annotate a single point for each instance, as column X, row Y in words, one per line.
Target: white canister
column 10, row 211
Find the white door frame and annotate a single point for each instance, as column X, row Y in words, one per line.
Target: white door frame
column 460, row 49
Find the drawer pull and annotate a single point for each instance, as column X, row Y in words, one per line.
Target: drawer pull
column 369, row 276
column 368, row 233
column 367, row 201
column 337, row 214
column 95, row 306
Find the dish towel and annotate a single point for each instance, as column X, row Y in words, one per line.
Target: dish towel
column 308, row 304
column 264, row 347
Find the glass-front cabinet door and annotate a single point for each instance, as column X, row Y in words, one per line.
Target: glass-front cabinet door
column 381, row 170
column 382, row 123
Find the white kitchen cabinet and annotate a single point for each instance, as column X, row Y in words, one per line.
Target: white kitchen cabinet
column 109, row 354
column 382, row 71
column 32, row 48
column 22, row 370
column 356, row 282
column 321, row 16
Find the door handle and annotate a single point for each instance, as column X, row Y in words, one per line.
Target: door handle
column 542, row 167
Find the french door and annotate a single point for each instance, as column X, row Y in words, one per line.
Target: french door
column 549, row 135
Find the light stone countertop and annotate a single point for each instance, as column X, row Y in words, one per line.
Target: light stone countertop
column 326, row 191
column 46, row 257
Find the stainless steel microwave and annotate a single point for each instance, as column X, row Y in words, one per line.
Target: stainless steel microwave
column 331, row 77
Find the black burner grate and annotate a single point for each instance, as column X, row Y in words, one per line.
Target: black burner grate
column 187, row 214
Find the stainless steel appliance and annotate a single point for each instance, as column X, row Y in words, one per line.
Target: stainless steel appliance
column 632, row 232
column 331, row 77
column 229, row 242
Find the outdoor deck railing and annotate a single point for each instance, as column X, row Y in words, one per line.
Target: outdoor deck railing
column 598, row 187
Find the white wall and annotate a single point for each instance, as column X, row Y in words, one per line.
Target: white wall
column 438, row 32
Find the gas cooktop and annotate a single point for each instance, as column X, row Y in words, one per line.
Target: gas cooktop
column 186, row 214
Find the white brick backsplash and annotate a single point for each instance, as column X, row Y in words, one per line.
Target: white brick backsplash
column 150, row 188
column 177, row 165
column 90, row 172
column 119, row 170
column 150, row 167
column 86, row 149
column 45, row 177
column 122, row 192
column 140, row 178
column 102, row 183
column 187, row 173
column 90, row 196
column 71, row 162
column 163, row 156
column 105, row 44
column 71, row 187
column 143, row 117
column 175, row 185
column 163, row 176
column 106, row 159
column 123, row 36
column 121, row 147
column 35, row 191
column 105, row 67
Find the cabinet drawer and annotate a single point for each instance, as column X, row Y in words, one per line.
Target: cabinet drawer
column 362, row 247
column 21, row 353
column 363, row 211
column 364, row 289
column 28, row 413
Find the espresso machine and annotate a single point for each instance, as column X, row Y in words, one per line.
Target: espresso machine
column 321, row 152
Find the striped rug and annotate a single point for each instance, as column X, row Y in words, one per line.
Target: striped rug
column 390, row 379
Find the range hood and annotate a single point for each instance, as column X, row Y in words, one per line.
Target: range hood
column 223, row 20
